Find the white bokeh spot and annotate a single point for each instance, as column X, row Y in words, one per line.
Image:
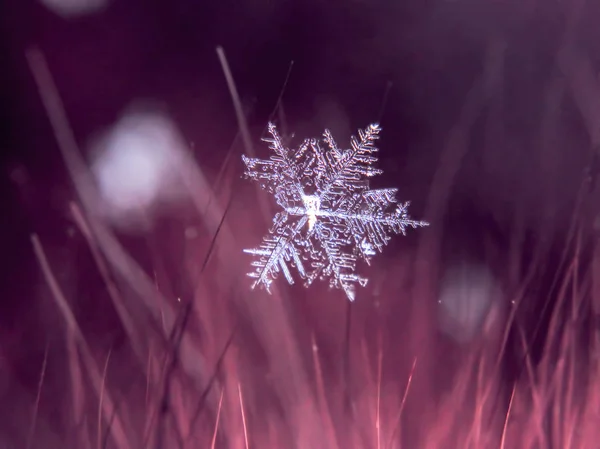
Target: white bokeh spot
column 136, row 164
column 467, row 294
column 75, row 8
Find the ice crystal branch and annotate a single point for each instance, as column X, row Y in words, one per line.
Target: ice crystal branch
column 329, row 217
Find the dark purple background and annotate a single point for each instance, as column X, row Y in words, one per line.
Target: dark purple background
column 344, row 55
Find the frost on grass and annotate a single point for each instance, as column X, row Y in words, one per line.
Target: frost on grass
column 329, row 218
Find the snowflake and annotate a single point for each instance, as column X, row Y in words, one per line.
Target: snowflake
column 329, row 217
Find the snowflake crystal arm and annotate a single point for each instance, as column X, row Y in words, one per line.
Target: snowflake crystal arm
column 350, row 169
column 278, row 175
column 276, row 252
column 330, row 218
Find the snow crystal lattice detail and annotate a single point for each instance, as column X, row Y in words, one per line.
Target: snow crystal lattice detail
column 329, row 217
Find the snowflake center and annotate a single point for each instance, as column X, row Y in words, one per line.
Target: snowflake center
column 312, row 204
